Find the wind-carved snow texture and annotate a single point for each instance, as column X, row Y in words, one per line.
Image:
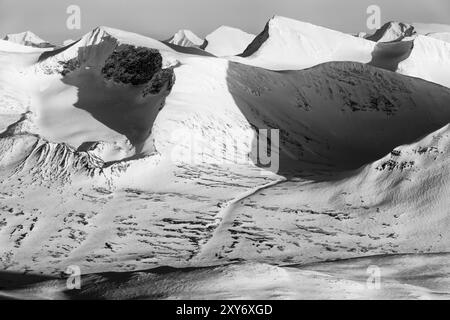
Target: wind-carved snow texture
column 115, row 156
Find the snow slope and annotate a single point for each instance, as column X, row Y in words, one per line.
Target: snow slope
column 429, row 60
column 388, row 206
column 28, row 38
column 227, row 41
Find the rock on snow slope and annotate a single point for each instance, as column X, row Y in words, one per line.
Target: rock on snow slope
column 101, row 175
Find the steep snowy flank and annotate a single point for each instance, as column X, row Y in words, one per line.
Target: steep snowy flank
column 186, row 38
column 28, row 38
column 393, row 31
column 227, row 41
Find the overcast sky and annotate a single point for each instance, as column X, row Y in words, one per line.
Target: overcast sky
column 161, row 18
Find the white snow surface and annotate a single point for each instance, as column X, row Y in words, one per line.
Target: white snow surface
column 444, row 36
column 228, row 41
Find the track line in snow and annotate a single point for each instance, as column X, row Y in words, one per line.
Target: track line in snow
column 224, row 219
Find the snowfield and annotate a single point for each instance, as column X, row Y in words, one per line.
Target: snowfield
column 121, row 153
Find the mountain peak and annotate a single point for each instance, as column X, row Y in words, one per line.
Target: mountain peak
column 29, row 39
column 186, row 38
column 300, row 41
column 393, row 31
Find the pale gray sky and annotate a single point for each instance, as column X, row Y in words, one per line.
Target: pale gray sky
column 161, row 18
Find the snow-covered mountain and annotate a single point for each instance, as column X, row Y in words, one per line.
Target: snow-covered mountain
column 227, row 41
column 28, row 38
column 119, row 152
column 344, row 279
column 393, row 31
column 186, row 38
column 287, row 44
